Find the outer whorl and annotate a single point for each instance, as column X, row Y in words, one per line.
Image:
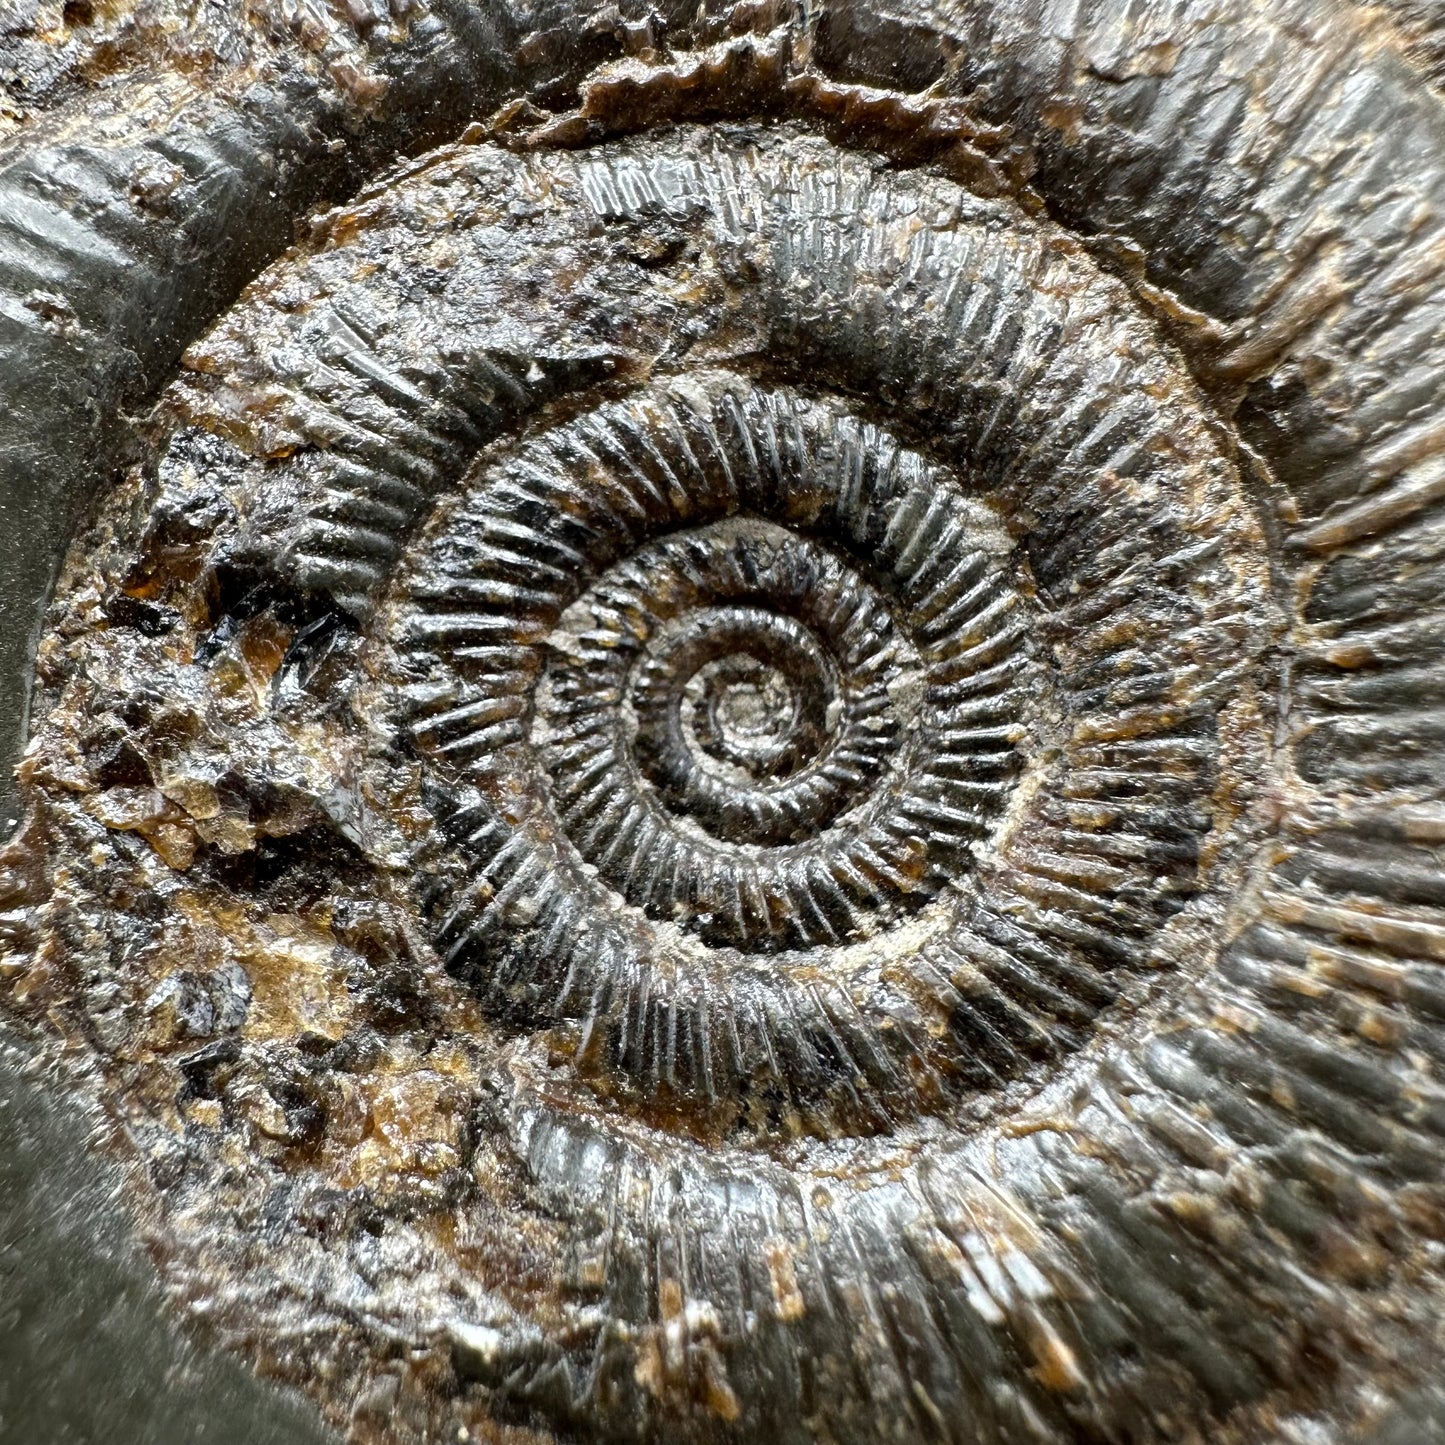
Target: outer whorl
column 756, row 753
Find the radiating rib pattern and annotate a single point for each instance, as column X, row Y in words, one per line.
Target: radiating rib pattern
column 818, row 740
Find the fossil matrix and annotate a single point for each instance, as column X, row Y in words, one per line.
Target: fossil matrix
column 754, row 751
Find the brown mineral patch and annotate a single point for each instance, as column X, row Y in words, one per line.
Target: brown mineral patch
column 415, row 1126
column 787, row 1297
column 298, row 983
column 1056, row 1366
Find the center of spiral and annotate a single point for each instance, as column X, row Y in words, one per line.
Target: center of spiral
column 768, row 704
column 758, row 666
column 743, row 713
column 740, row 691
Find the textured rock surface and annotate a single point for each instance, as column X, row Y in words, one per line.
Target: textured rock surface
column 755, row 753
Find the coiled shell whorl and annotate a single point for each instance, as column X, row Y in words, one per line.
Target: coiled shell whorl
column 754, row 754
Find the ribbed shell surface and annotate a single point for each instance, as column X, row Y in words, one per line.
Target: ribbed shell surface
column 756, row 754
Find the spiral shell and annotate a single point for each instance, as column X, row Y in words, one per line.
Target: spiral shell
column 758, row 760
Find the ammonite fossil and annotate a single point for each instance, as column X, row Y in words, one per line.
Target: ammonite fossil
column 753, row 752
